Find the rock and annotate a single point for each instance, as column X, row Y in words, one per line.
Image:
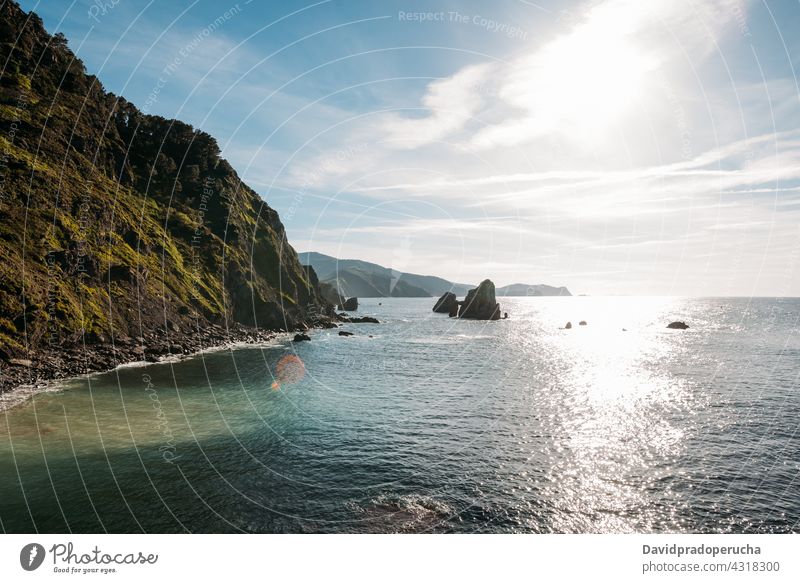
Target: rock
column 94, row 337
column 364, row 320
column 137, row 350
column 480, row 303
column 120, row 272
column 678, row 325
column 446, row 304
column 331, row 294
column 20, row 362
column 582, row 323
column 568, row 326
column 301, row 337
column 350, row 305
column 343, row 333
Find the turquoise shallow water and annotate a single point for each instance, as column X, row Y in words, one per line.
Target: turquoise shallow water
column 435, row 425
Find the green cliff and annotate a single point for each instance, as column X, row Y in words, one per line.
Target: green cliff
column 115, row 223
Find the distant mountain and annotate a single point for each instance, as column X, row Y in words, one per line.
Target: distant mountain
column 369, row 280
column 524, row 289
column 362, row 279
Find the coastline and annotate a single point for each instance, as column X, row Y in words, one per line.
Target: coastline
column 45, row 370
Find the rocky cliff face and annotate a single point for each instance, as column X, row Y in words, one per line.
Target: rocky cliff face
column 116, row 223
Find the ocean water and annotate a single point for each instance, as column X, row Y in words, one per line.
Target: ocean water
column 435, row 425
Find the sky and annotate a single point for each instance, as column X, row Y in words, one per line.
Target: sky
column 613, row 146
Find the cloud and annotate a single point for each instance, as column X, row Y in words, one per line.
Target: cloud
column 449, row 104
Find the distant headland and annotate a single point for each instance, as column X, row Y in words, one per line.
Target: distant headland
column 355, row 278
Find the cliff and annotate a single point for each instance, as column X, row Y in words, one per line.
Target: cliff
column 117, row 224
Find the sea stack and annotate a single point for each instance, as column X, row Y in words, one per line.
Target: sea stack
column 446, row 304
column 480, row 303
column 350, row 305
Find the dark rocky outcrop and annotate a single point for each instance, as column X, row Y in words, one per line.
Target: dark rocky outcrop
column 678, row 325
column 446, row 304
column 301, row 337
column 568, row 326
column 363, row 320
column 350, row 305
column 480, row 303
column 343, row 333
column 582, row 323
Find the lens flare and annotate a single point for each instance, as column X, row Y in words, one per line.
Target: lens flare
column 290, row 369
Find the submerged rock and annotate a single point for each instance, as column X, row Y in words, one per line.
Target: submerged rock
column 480, row 303
column 301, row 337
column 343, row 333
column 364, row 320
column 446, row 304
column 678, row 325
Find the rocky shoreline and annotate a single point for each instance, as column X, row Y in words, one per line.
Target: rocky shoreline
column 42, row 368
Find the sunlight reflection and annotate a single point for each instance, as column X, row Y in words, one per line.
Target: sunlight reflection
column 621, row 402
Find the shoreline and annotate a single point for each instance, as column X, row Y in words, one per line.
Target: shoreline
column 45, row 370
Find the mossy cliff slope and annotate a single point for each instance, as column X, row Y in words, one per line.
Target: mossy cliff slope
column 116, row 223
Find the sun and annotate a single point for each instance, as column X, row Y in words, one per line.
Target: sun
column 586, row 80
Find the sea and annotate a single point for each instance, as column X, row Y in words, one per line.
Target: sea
column 425, row 423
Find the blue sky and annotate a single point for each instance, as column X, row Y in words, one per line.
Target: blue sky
column 617, row 146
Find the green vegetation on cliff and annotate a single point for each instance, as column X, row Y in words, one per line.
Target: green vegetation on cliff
column 113, row 222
